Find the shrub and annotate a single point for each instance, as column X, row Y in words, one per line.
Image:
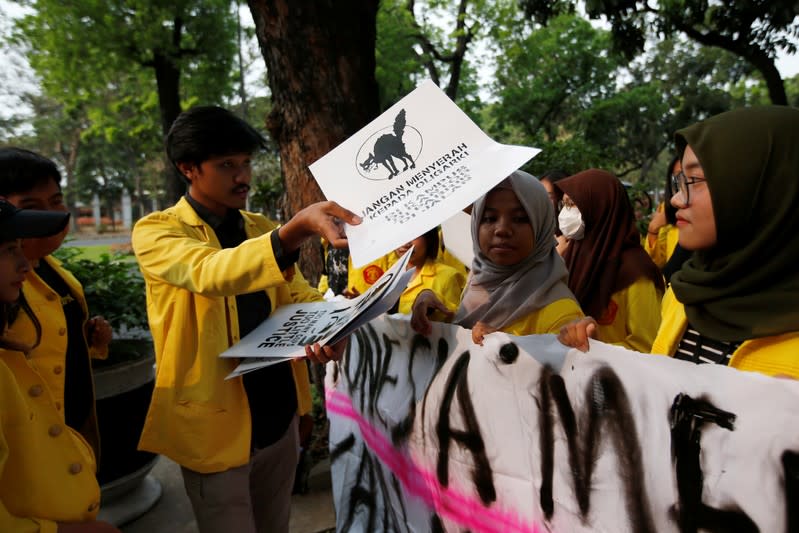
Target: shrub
column 113, row 286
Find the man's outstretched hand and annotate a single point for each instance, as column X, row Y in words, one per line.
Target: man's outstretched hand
column 325, row 219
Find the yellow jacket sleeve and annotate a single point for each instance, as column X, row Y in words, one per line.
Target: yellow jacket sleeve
column 9, row 522
column 773, row 356
column 445, row 282
column 166, row 254
column 548, row 319
column 664, row 245
column 632, row 317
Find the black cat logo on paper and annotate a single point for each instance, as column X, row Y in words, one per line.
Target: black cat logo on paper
column 385, row 149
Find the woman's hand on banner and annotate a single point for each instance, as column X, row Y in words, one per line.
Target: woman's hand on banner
column 575, row 334
column 480, row 330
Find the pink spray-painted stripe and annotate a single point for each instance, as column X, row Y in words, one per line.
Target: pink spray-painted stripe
column 448, row 503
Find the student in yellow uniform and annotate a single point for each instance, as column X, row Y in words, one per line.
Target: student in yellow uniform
column 431, row 274
column 445, row 256
column 359, row 280
column 69, row 336
column 661, row 234
column 734, row 302
column 518, row 281
column 47, row 470
column 612, row 277
column 213, row 273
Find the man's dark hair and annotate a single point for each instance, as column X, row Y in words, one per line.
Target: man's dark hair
column 22, row 170
column 203, row 132
column 554, row 175
column 431, row 243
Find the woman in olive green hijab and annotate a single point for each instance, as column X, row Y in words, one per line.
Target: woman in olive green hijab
column 736, row 300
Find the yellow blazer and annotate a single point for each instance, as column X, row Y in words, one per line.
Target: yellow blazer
column 632, row 317
column 47, row 470
column 775, row 355
column 360, row 279
column 667, row 238
column 446, row 282
column 196, row 417
column 548, row 319
column 50, row 354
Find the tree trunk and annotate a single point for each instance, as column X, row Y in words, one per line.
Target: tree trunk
column 69, row 158
column 766, row 66
column 753, row 54
column 167, row 77
column 320, row 59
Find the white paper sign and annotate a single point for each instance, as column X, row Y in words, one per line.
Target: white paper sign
column 522, row 435
column 413, row 167
column 290, row 328
column 457, row 236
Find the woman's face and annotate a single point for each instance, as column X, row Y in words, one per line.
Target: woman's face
column 13, row 268
column 505, row 234
column 695, row 221
column 551, row 192
column 419, row 251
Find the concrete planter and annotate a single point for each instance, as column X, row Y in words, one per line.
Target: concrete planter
column 123, row 388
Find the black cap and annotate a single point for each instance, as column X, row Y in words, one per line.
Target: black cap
column 28, row 223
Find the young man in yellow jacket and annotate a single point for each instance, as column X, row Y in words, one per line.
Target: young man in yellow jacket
column 213, row 273
column 69, row 338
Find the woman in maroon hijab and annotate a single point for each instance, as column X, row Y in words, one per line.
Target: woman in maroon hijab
column 615, row 282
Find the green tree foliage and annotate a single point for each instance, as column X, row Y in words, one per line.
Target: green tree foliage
column 752, row 30
column 399, row 67
column 547, row 77
column 142, row 51
column 440, row 40
column 563, row 88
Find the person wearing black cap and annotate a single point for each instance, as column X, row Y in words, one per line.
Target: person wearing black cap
column 69, row 338
column 47, row 480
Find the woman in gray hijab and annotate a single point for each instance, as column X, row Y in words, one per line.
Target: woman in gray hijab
column 518, row 282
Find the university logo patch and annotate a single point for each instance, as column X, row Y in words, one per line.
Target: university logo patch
column 372, row 273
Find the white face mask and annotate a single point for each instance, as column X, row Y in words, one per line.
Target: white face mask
column 571, row 223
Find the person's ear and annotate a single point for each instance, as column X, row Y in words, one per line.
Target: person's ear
column 189, row 170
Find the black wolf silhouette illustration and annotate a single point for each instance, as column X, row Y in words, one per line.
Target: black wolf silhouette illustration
column 389, row 146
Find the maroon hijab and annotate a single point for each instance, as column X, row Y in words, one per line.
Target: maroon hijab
column 609, row 258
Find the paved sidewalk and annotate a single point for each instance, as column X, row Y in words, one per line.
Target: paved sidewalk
column 310, row 513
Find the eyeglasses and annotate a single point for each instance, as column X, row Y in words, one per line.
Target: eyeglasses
column 680, row 183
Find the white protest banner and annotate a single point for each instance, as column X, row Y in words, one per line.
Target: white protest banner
column 414, row 166
column 456, row 233
column 290, row 328
column 522, row 435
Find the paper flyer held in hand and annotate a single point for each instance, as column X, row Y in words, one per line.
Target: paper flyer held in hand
column 413, row 167
column 290, row 328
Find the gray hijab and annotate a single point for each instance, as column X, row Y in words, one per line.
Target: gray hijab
column 500, row 295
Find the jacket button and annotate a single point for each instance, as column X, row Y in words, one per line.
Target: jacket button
column 51, row 297
column 58, row 405
column 35, row 390
column 62, row 331
column 55, row 430
column 58, row 369
column 93, row 507
column 75, row 468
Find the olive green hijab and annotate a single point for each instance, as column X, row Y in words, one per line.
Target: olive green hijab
column 747, row 285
